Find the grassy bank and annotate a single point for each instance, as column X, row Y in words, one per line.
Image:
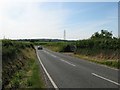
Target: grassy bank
column 20, row 66
column 107, row 62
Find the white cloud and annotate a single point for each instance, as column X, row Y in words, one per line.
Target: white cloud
column 27, row 20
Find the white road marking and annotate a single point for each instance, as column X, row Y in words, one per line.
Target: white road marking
column 68, row 62
column 53, row 55
column 50, row 54
column 46, row 52
column 51, row 80
column 60, row 59
column 105, row 79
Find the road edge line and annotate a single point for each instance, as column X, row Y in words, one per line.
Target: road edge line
column 51, row 80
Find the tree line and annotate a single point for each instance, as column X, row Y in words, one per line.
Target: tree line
column 102, row 40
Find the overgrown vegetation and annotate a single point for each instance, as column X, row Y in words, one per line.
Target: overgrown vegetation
column 101, row 45
column 19, row 65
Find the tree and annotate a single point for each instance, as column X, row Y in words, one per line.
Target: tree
column 96, row 35
column 104, row 34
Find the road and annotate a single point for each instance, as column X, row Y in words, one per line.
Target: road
column 70, row 72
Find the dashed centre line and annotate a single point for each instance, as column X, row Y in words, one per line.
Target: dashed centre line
column 60, row 59
column 68, row 62
column 106, row 79
column 53, row 55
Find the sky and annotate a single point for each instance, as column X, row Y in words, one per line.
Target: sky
column 29, row 20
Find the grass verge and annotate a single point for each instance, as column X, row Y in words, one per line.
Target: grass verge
column 110, row 63
column 29, row 76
